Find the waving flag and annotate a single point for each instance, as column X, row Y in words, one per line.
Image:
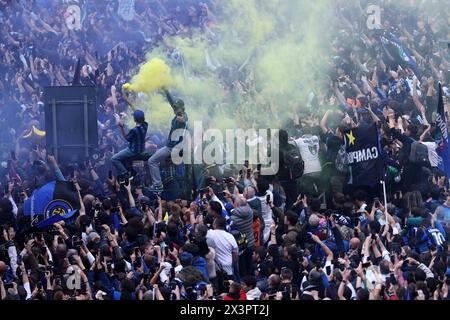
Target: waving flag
column 441, row 136
column 57, row 198
column 364, row 155
column 49, row 222
column 394, row 48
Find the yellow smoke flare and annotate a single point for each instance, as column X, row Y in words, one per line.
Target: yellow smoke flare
column 153, row 75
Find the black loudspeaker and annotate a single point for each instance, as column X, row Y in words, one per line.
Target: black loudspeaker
column 71, row 123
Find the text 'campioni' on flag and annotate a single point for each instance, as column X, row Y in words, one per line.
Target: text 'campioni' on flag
column 363, row 150
column 441, row 136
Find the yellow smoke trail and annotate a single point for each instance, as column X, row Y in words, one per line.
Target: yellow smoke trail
column 153, row 75
column 265, row 55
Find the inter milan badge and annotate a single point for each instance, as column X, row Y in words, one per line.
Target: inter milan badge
column 58, row 207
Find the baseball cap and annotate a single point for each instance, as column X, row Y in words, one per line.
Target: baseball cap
column 139, row 115
column 179, row 104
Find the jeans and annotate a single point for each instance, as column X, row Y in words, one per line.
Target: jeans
column 120, row 159
column 153, row 163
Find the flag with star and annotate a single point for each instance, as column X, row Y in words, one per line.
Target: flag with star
column 364, row 155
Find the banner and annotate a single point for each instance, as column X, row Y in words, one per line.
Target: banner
column 364, row 155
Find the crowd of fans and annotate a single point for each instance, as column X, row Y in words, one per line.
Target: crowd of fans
column 240, row 236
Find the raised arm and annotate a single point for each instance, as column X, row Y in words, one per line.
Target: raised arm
column 169, row 97
column 343, row 284
column 324, row 247
column 121, row 126
column 130, row 196
column 323, row 122
column 425, row 134
column 373, row 115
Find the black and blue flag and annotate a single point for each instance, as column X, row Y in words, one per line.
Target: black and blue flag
column 364, row 155
column 57, row 198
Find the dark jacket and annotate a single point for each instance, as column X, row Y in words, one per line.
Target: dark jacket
column 406, row 142
column 255, row 204
column 243, row 221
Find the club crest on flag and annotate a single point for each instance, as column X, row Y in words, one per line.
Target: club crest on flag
column 58, row 207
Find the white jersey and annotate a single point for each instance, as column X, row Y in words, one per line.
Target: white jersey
column 432, row 154
column 309, row 150
column 266, row 214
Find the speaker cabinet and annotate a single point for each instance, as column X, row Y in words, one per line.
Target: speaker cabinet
column 71, row 122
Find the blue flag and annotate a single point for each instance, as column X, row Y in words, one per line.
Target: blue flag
column 55, row 219
column 441, row 136
column 394, row 48
column 55, row 198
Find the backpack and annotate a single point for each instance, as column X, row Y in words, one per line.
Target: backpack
column 293, row 162
column 341, row 161
column 419, row 153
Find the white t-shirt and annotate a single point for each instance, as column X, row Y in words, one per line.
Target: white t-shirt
column 432, row 154
column 224, row 244
column 266, row 214
column 309, row 150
